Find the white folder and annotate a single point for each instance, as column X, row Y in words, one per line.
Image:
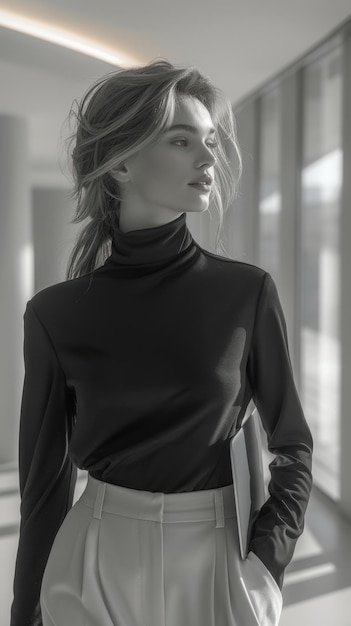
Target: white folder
column 248, row 477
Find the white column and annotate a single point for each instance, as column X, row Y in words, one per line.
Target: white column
column 16, row 275
column 53, row 234
column 345, row 292
column 242, row 222
column 290, row 239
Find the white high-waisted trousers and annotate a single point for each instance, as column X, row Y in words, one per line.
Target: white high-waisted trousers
column 124, row 557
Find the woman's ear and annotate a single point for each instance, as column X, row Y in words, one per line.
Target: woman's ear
column 121, row 174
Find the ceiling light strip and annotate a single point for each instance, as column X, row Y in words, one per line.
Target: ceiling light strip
column 64, row 38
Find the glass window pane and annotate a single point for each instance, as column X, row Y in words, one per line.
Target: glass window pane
column 321, row 180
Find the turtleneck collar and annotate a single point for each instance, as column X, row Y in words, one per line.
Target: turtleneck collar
column 153, row 247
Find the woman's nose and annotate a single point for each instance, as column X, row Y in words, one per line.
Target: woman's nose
column 208, row 158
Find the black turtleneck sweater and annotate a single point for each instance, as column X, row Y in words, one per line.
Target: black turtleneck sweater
column 139, row 373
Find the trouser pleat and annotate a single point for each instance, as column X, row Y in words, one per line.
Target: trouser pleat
column 151, row 551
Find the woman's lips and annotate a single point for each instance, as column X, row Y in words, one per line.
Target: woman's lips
column 201, row 187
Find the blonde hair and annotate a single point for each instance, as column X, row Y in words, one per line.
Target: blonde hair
column 121, row 113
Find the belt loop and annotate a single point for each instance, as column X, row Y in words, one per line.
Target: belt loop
column 219, row 508
column 99, row 500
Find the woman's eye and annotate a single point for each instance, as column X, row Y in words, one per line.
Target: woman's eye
column 210, row 145
column 178, row 140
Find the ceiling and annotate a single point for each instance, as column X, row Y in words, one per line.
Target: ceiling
column 239, row 45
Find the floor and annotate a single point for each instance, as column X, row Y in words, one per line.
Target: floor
column 317, row 585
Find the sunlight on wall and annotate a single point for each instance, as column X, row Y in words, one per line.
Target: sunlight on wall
column 322, row 179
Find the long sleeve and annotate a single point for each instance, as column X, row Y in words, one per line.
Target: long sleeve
column 281, row 519
column 47, row 477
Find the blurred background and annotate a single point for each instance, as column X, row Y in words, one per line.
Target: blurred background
column 286, row 68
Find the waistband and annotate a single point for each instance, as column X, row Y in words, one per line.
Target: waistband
column 209, row 504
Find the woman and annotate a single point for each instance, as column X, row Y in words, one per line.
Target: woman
column 138, row 368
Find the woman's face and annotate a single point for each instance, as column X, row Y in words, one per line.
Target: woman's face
column 157, row 179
